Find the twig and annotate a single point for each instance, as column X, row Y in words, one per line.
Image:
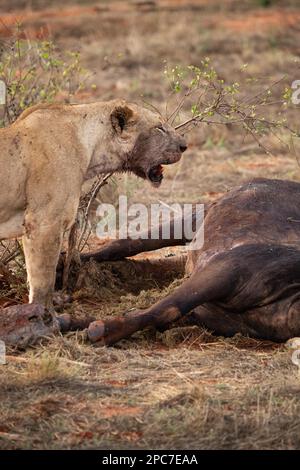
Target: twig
column 99, row 184
column 198, row 118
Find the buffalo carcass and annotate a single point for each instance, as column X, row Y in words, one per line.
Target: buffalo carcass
column 246, row 277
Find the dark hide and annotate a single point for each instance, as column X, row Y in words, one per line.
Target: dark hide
column 245, row 279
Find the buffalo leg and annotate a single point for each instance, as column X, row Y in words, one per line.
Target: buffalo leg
column 119, row 249
column 213, row 283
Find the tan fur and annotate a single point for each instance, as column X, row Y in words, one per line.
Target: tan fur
column 46, row 156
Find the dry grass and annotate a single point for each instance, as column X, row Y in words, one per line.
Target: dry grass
column 200, row 393
column 150, row 391
column 182, row 388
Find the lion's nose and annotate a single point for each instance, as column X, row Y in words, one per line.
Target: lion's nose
column 182, row 147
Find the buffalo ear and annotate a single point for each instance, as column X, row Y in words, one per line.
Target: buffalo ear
column 120, row 118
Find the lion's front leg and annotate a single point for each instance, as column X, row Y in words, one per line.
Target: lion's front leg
column 42, row 245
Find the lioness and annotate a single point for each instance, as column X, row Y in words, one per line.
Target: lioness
column 47, row 155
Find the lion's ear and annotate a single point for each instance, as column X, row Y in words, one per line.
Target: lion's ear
column 120, row 118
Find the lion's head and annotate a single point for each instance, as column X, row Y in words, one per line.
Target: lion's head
column 148, row 141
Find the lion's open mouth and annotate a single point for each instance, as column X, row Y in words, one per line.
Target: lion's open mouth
column 155, row 175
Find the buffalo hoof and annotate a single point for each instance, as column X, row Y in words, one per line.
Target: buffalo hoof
column 96, row 333
column 69, row 322
column 111, row 330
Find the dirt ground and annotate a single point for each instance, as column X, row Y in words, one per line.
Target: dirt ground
column 183, row 388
